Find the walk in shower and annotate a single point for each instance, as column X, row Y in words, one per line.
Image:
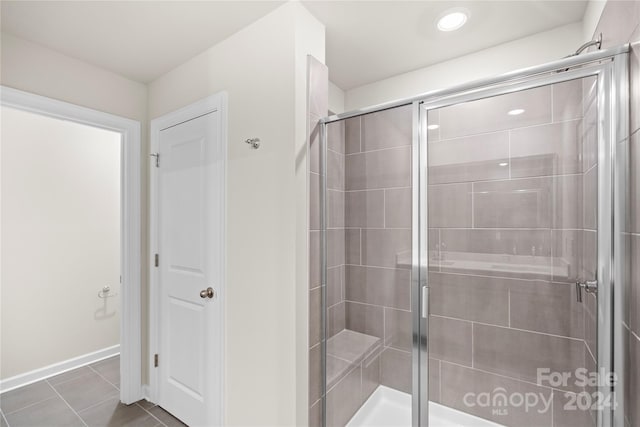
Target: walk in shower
column 471, row 252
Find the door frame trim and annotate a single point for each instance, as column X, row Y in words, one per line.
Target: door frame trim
column 130, row 241
column 216, row 102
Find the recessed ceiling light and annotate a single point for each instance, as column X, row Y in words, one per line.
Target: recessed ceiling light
column 433, row 127
column 516, row 112
column 503, row 164
column 453, row 19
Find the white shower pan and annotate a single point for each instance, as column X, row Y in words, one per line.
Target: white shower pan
column 387, row 407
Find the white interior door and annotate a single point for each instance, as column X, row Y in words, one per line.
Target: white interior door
column 190, row 262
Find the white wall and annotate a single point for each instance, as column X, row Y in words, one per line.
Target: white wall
column 525, row 52
column 262, row 68
column 591, row 18
column 33, row 68
column 60, row 240
column 336, row 99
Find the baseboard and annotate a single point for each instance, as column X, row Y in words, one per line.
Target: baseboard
column 57, row 368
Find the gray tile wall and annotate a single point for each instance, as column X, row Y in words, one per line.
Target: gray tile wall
column 318, row 101
column 620, row 23
column 378, row 242
column 507, row 201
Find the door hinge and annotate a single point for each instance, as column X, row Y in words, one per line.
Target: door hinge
column 155, row 360
column 157, row 156
column 157, row 260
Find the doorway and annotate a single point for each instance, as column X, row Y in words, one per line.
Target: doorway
column 65, row 176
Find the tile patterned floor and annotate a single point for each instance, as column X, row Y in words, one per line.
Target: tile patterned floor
column 85, row 397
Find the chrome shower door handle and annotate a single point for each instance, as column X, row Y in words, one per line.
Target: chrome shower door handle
column 425, row 302
column 589, row 286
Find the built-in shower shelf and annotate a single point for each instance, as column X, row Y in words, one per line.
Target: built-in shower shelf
column 348, row 349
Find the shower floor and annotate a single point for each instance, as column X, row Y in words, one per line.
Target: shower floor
column 389, row 407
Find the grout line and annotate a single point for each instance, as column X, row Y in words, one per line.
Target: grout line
column 376, row 150
column 494, row 180
column 473, row 197
column 384, row 208
column 360, row 245
column 360, row 133
column 348, row 372
column 67, row 403
column 551, row 96
column 473, row 350
column 384, row 326
column 592, row 167
column 335, row 152
column 101, row 376
column 440, row 377
column 31, row 404
column 590, row 353
column 509, row 158
column 511, row 328
column 383, row 188
column 374, row 228
column 499, row 277
column 509, row 306
column 494, row 229
column 93, row 405
column 380, row 306
column 549, row 123
column 152, row 416
column 548, row 388
column 553, row 393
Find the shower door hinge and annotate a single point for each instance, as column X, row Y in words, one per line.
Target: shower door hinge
column 589, row 286
column 157, row 156
column 155, row 360
column 157, row 260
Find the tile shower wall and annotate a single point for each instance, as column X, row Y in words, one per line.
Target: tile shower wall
column 512, row 226
column 317, row 98
column 378, row 237
column 619, row 24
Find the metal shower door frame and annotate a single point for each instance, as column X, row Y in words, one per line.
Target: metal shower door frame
column 611, row 66
column 612, row 76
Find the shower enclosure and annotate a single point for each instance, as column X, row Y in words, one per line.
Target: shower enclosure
column 472, row 246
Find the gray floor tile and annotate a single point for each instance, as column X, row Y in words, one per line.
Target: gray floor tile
column 166, row 418
column 145, row 404
column 52, row 412
column 22, row 397
column 86, row 391
column 70, row 375
column 112, row 413
column 3, row 423
column 109, row 369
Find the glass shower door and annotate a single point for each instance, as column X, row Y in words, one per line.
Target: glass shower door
column 516, row 230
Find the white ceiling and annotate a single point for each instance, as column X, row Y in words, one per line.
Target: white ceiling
column 141, row 40
column 371, row 40
column 366, row 40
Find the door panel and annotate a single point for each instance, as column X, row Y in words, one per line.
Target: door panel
column 190, row 185
column 512, row 221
